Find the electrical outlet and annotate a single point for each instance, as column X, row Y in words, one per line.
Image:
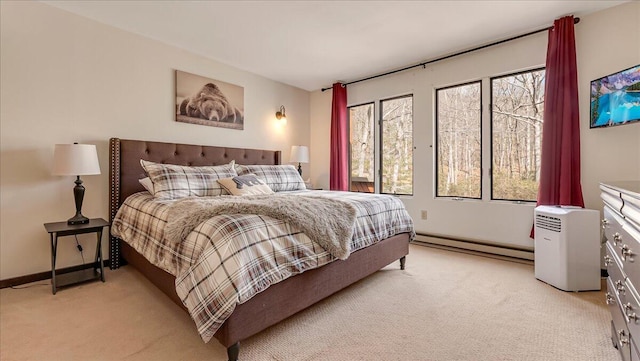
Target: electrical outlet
column 423, row 214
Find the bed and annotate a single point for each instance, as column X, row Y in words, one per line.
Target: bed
column 277, row 302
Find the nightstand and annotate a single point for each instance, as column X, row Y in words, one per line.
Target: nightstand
column 61, row 229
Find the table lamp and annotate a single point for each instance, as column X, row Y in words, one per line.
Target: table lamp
column 299, row 154
column 76, row 160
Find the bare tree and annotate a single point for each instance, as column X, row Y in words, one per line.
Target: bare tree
column 517, row 110
column 397, row 145
column 361, row 119
column 459, row 139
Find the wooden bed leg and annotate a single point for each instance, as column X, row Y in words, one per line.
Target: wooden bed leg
column 403, row 260
column 233, row 351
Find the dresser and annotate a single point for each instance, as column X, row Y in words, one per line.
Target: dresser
column 621, row 225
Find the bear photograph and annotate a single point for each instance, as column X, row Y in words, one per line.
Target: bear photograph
column 205, row 101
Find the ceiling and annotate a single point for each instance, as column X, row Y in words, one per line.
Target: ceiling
column 312, row 44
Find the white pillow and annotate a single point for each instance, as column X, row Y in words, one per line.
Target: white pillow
column 147, row 184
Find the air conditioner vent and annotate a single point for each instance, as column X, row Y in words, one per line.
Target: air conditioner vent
column 549, row 223
column 566, row 247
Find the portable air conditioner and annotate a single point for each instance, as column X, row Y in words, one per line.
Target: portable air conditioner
column 567, row 247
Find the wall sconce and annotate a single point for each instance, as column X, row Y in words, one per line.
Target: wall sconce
column 281, row 116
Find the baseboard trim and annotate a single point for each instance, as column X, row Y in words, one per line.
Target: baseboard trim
column 16, row 281
column 435, row 240
column 475, row 246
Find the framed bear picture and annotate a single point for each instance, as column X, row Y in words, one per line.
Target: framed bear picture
column 205, row 101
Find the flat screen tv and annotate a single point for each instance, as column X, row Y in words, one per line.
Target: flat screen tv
column 615, row 98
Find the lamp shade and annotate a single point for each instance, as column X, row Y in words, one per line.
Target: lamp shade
column 75, row 159
column 299, row 154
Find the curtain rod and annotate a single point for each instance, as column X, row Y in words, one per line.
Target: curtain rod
column 423, row 64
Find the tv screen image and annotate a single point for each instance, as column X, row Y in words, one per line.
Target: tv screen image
column 615, row 98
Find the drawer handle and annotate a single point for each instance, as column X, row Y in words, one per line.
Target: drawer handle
column 616, row 238
column 623, row 341
column 620, row 289
column 608, row 261
column 609, row 299
column 626, row 252
column 628, row 311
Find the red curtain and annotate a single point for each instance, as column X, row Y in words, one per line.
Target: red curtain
column 560, row 159
column 339, row 165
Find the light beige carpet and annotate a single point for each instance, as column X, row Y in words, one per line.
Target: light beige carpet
column 445, row 306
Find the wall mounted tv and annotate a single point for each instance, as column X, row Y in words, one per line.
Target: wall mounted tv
column 615, row 99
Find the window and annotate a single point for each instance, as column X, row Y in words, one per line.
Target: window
column 396, row 131
column 459, row 142
column 393, row 152
column 516, row 131
column 361, row 124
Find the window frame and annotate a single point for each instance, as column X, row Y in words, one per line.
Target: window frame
column 437, row 133
column 491, row 188
column 381, row 142
column 375, row 163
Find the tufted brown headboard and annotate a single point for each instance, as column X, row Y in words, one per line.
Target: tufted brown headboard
column 125, row 169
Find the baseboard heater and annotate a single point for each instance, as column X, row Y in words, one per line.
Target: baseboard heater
column 476, row 246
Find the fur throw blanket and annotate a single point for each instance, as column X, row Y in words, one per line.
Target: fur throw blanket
column 328, row 222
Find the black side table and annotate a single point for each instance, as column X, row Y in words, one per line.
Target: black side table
column 61, row 229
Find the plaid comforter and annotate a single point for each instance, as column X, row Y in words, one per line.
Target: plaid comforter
column 227, row 259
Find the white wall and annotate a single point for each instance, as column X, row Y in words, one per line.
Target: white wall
column 66, row 78
column 607, row 41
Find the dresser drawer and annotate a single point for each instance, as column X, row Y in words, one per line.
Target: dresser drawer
column 631, row 308
column 612, row 225
column 620, row 333
column 631, row 208
column 614, row 269
column 635, row 355
column 629, row 252
column 611, row 197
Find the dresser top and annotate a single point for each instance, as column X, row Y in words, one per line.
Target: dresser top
column 628, row 187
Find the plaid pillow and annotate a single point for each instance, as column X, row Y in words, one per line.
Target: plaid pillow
column 147, row 184
column 245, row 185
column 278, row 177
column 172, row 181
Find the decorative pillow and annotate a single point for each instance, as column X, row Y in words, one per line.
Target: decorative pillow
column 172, row 181
column 147, row 184
column 247, row 184
column 278, row 177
